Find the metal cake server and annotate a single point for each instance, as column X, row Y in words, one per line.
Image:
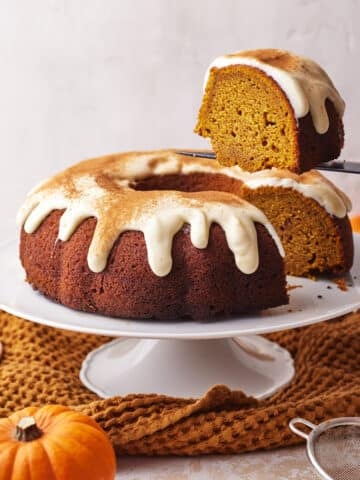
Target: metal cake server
column 333, row 166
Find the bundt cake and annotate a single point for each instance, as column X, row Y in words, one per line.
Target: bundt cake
column 161, row 235
column 98, row 238
column 271, row 108
column 308, row 212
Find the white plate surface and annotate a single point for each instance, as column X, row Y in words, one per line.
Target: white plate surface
column 314, row 301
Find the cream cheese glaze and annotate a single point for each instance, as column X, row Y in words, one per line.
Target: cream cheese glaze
column 102, row 188
column 310, row 184
column 304, row 82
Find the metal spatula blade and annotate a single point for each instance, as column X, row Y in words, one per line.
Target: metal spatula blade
column 334, row 166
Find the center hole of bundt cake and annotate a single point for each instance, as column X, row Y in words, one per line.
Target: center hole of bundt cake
column 194, row 182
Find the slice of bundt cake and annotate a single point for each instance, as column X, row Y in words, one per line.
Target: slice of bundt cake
column 271, row 108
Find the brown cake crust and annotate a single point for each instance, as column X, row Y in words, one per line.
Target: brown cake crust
column 202, row 284
column 315, row 148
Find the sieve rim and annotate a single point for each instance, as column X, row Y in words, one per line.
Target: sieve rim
column 317, row 430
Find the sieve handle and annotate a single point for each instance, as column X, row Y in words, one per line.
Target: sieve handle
column 302, row 421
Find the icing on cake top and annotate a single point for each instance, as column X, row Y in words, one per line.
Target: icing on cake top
column 101, row 188
column 304, row 82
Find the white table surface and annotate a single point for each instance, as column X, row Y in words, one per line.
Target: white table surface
column 282, row 464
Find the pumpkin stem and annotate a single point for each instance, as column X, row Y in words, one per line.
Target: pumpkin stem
column 27, row 430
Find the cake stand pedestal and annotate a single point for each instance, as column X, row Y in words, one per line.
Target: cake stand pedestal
column 184, row 358
column 188, row 368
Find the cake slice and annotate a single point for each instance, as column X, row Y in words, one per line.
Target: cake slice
column 271, row 108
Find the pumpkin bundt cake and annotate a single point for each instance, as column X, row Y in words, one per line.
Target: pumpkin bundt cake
column 271, row 108
column 161, row 235
column 94, row 241
column 308, row 212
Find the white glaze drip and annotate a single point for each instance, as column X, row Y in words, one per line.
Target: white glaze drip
column 161, row 214
column 160, row 222
column 307, row 87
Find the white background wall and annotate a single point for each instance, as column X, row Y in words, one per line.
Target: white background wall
column 80, row 78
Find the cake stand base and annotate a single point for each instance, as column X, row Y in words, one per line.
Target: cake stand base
column 187, row 368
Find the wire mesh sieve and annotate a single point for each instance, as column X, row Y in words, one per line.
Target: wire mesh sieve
column 333, row 447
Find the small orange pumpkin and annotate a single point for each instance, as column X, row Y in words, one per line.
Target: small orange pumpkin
column 355, row 223
column 54, row 443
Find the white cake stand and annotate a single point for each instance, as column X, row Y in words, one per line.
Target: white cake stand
column 184, row 358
